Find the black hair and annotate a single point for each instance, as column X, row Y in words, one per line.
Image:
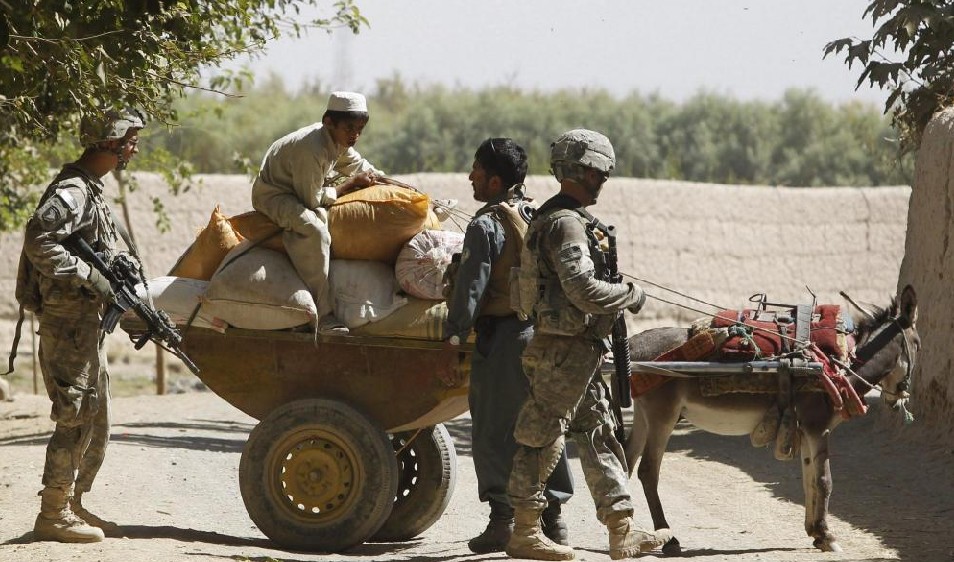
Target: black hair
column 339, row 116
column 504, row 158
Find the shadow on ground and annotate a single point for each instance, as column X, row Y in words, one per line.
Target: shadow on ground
column 882, row 482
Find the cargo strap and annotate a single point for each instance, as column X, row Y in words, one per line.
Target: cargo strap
column 16, row 343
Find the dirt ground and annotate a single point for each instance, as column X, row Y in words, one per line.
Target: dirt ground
column 170, row 479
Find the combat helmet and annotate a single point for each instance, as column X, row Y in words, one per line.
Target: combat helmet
column 581, row 147
column 112, row 124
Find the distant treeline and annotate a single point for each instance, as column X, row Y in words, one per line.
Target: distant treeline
column 799, row 140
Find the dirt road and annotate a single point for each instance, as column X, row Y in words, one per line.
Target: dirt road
column 171, row 480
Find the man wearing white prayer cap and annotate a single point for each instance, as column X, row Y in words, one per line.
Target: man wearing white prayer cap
column 293, row 190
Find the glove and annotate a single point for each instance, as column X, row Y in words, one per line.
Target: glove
column 99, row 285
column 640, row 301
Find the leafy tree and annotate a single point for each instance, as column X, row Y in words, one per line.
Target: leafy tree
column 921, row 82
column 59, row 58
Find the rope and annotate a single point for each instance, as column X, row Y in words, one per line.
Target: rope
column 745, row 334
column 799, row 344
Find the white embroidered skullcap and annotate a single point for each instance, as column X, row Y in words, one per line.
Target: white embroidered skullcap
column 347, row 101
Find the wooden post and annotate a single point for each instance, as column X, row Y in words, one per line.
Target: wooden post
column 121, row 182
column 160, row 371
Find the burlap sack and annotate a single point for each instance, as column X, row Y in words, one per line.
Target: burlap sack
column 205, row 254
column 178, row 297
column 419, row 318
column 255, row 226
column 259, row 289
column 364, row 291
column 374, row 223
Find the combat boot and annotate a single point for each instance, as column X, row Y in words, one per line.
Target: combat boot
column 56, row 522
column 554, row 527
column 528, row 540
column 497, row 534
column 109, row 528
column 627, row 541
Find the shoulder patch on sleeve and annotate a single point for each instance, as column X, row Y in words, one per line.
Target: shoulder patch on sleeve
column 67, row 198
column 57, row 209
column 570, row 253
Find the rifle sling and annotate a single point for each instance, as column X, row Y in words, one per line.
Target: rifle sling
column 16, row 343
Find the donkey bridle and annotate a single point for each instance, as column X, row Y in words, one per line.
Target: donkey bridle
column 880, row 340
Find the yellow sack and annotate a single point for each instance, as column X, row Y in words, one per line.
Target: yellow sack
column 374, row 223
column 211, row 244
column 432, row 222
column 255, row 226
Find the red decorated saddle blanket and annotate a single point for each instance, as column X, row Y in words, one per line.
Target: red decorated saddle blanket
column 750, row 334
column 769, row 333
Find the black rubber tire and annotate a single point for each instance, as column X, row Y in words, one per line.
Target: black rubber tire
column 318, row 475
column 427, row 475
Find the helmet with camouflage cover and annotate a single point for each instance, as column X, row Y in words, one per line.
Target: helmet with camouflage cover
column 581, row 147
column 111, row 124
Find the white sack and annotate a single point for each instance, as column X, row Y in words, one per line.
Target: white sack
column 178, row 297
column 363, row 291
column 259, row 289
column 420, row 265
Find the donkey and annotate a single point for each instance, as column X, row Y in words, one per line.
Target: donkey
column 886, row 338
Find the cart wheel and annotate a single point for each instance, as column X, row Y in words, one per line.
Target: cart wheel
column 428, row 473
column 318, row 475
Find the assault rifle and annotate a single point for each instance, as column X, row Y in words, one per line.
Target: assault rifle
column 620, row 340
column 123, row 275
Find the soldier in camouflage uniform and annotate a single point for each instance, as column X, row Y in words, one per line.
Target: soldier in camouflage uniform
column 69, row 297
column 573, row 311
column 481, row 300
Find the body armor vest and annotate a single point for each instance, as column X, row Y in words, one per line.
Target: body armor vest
column 514, row 216
column 537, row 293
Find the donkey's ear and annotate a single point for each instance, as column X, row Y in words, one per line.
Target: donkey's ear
column 908, row 304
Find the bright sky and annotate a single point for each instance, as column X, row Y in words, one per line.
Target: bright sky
column 751, row 49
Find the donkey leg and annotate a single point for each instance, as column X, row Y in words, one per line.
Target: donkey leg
column 659, row 428
column 636, row 439
column 808, row 482
column 816, row 503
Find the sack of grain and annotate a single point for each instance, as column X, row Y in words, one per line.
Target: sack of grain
column 255, row 226
column 419, row 318
column 205, row 254
column 178, row 297
column 363, row 291
column 421, row 264
column 374, row 223
column 259, row 289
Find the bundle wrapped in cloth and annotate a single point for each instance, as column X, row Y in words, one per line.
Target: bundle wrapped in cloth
column 421, row 263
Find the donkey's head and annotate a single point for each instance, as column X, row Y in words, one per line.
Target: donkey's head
column 888, row 344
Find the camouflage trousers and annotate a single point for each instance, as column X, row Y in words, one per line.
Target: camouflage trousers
column 568, row 396
column 74, row 371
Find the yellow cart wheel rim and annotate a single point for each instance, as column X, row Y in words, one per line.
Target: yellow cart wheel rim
column 315, row 475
